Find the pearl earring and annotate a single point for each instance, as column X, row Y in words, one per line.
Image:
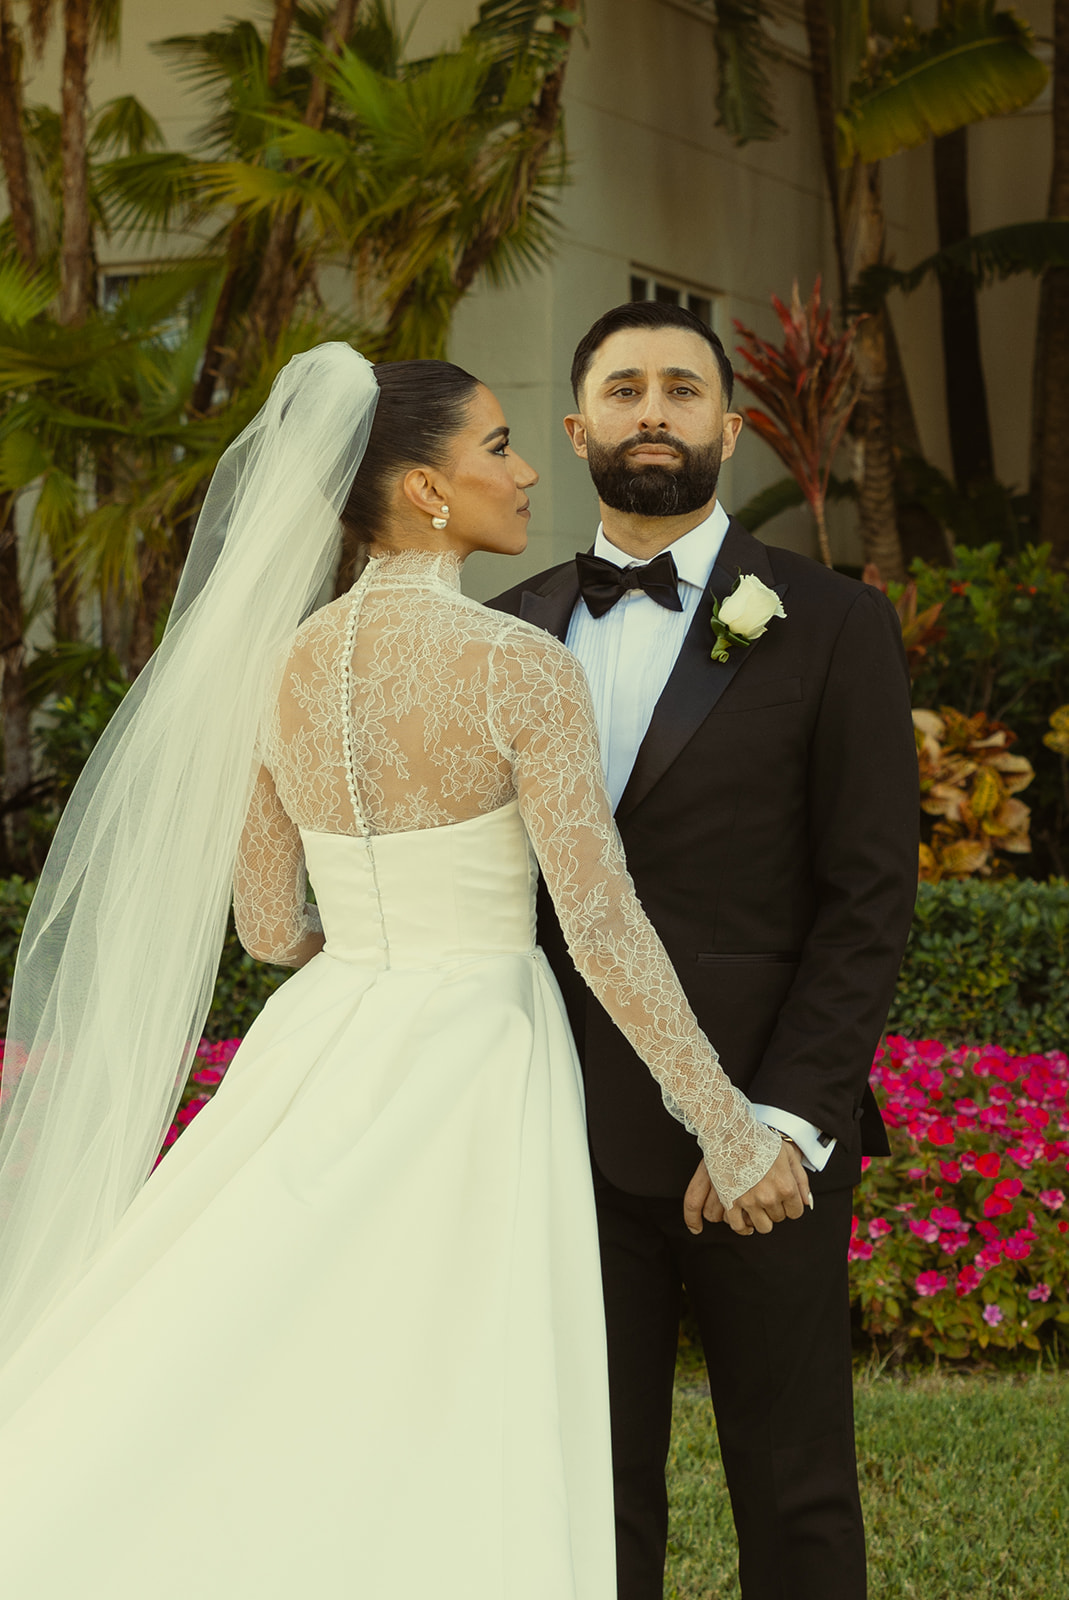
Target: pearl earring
column 441, row 522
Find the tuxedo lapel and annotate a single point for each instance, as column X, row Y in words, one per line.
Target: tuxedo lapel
column 696, row 682
column 551, row 605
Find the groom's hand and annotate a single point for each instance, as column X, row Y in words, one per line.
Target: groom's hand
column 701, row 1201
column 783, row 1192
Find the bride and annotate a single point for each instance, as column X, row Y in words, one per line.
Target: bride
column 346, row 1342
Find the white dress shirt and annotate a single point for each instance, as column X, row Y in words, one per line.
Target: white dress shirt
column 628, row 654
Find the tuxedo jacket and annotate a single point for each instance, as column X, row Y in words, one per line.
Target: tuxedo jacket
column 770, row 824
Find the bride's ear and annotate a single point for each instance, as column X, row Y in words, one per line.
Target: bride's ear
column 423, row 493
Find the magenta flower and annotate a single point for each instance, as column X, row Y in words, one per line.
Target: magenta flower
column 923, row 1229
column 1039, row 1291
column 941, row 1132
column 950, row 1171
column 992, row 1315
column 930, row 1283
column 968, row 1280
column 988, row 1163
column 879, row 1227
column 1053, row 1199
column 1018, row 1249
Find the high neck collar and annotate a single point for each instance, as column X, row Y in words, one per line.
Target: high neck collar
column 417, row 567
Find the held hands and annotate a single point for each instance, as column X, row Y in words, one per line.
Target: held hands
column 782, row 1192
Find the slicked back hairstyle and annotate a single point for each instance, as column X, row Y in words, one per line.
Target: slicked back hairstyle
column 422, row 405
column 647, row 314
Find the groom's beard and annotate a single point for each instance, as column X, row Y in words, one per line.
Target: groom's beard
column 648, row 489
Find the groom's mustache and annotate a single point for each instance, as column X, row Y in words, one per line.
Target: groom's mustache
column 644, row 441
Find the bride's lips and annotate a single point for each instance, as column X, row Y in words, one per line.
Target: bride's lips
column 525, row 509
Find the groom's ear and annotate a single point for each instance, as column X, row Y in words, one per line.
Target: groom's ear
column 575, row 428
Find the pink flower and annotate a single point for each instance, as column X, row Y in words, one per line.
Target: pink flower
column 1008, row 1188
column 915, row 1173
column 950, row 1171
column 968, row 1280
column 924, row 1230
column 866, row 1163
column 996, row 1206
column 1018, row 1249
column 1053, row 1199
column 1039, row 1291
column 992, row 1315
column 988, row 1163
column 941, row 1132
column 879, row 1227
column 930, row 1283
column 946, row 1215
column 860, row 1250
column 988, row 1259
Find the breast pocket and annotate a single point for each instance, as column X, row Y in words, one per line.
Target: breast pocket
column 743, row 696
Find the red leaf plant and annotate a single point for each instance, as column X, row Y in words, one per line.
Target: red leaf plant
column 809, row 389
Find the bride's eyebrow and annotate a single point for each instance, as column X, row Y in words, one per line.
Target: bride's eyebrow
column 497, row 433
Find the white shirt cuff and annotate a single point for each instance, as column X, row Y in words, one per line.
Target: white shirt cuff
column 806, row 1136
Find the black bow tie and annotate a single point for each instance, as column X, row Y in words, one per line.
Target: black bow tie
column 603, row 583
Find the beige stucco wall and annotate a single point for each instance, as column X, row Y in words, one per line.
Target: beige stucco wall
column 657, row 184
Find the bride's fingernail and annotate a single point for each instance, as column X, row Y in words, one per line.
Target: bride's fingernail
column 809, row 1201
column 693, row 1230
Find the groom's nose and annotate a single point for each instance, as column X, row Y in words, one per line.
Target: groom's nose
column 654, row 413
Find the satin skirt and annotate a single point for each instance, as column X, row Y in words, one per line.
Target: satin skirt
column 348, row 1343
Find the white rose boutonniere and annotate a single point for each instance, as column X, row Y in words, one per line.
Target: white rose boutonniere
column 745, row 614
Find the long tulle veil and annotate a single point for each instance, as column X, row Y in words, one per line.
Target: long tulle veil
column 121, row 947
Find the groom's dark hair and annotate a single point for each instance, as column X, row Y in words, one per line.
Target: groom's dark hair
column 647, row 314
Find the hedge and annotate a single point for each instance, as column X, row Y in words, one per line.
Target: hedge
column 987, row 963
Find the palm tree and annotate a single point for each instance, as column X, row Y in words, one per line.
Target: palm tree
column 1050, row 416
column 891, row 92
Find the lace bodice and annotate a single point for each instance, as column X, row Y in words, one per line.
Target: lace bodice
column 405, row 705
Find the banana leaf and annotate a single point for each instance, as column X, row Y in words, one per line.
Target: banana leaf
column 979, row 65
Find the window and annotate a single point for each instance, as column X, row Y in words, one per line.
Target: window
column 648, row 287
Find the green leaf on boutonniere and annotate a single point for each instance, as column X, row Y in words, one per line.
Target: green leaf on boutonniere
column 724, row 636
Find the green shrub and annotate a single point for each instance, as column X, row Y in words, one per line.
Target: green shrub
column 987, row 963
column 1005, row 651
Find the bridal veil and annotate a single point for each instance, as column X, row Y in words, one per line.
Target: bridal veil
column 121, row 948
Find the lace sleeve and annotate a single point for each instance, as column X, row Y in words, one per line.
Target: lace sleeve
column 542, row 715
column 273, row 921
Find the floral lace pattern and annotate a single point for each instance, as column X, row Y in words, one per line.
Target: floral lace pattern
column 405, row 705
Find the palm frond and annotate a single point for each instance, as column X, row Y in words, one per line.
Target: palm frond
column 23, row 294
column 979, row 65
column 150, row 193
column 744, row 103
column 983, row 258
column 124, row 127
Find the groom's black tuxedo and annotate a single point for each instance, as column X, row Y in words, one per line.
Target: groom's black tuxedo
column 770, row 824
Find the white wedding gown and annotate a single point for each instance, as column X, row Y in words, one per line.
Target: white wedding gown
column 347, row 1344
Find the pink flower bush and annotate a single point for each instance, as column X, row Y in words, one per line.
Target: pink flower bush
column 213, row 1058
column 958, row 1242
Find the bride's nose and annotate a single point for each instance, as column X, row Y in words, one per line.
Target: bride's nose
column 526, row 476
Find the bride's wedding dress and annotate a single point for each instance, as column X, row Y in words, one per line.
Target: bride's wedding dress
column 347, row 1343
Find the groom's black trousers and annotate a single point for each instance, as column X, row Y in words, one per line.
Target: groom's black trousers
column 773, row 1311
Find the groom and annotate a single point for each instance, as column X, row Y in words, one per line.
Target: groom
column 768, row 806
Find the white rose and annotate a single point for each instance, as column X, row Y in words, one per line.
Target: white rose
column 748, row 611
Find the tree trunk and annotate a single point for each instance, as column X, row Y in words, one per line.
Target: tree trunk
column 966, row 393
column 1050, row 422
column 12, row 141
column 157, row 588
column 818, row 35
column 876, row 490
column 75, row 256
column 279, row 283
column 15, row 712
column 281, row 24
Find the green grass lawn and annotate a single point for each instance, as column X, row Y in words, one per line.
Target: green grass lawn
column 964, row 1481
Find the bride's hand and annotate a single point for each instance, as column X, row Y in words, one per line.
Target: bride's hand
column 701, row 1201
column 783, row 1192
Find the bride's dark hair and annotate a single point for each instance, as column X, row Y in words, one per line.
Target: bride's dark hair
column 422, row 405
